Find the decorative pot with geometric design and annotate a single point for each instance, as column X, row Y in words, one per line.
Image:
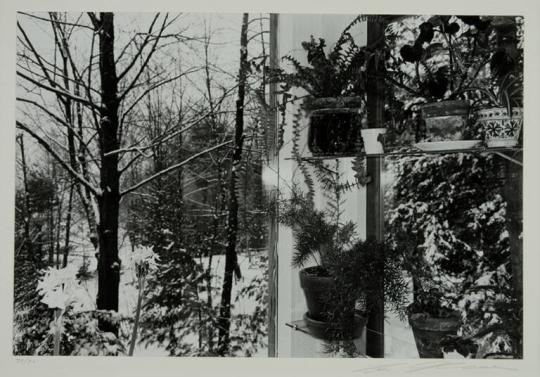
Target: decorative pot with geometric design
column 501, row 130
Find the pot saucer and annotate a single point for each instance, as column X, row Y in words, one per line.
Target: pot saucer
column 433, row 146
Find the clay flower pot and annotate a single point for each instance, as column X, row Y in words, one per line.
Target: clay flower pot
column 317, row 289
column 445, row 120
column 429, row 331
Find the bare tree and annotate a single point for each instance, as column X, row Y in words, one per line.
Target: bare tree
column 102, row 113
column 231, row 258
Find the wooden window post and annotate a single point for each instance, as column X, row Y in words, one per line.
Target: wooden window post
column 374, row 190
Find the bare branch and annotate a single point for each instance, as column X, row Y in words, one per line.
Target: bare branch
column 145, row 63
column 61, row 22
column 57, row 157
column 257, row 34
column 72, row 80
column 58, row 91
column 95, row 21
column 172, row 168
column 155, row 86
column 59, row 120
column 138, row 54
column 160, row 139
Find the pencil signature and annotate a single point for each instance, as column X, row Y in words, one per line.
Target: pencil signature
column 411, row 368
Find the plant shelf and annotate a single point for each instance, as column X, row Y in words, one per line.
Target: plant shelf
column 417, row 152
column 301, row 326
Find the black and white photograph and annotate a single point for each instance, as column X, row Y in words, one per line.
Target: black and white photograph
column 269, row 185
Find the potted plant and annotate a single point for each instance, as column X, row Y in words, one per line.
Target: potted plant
column 346, row 277
column 432, row 319
column 334, row 83
column 502, row 118
column 446, row 57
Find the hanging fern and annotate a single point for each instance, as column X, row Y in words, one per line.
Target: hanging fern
column 298, row 158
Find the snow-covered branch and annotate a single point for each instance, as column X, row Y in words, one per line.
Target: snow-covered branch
column 172, row 168
column 57, row 157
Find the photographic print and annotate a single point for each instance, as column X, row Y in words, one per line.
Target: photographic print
column 269, row 185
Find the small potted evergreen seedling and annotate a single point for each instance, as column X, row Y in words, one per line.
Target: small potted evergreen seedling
column 347, row 276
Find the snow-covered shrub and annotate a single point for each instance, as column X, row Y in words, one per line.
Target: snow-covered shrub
column 76, row 320
column 447, row 218
column 249, row 330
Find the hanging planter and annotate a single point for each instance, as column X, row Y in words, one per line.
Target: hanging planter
column 429, row 331
column 445, row 120
column 500, row 128
column 334, row 125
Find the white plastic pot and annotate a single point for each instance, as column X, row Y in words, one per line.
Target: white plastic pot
column 372, row 143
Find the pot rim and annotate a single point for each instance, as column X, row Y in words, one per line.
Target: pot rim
column 428, row 322
column 320, row 103
column 445, row 108
column 374, row 130
column 357, row 316
column 517, row 109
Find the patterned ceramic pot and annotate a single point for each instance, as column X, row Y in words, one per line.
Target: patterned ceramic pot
column 501, row 130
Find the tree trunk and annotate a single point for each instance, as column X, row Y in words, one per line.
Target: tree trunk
column 50, row 213
column 58, row 228
column 68, row 226
column 108, row 202
column 231, row 259
column 26, row 214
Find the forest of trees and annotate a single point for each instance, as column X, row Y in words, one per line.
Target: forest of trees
column 139, row 149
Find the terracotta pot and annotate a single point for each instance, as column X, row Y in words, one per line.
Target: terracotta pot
column 335, row 331
column 317, row 290
column 428, row 332
column 445, row 120
column 372, row 144
column 334, row 125
column 501, row 130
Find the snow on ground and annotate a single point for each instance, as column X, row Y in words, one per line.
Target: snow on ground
column 399, row 339
column 128, row 287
